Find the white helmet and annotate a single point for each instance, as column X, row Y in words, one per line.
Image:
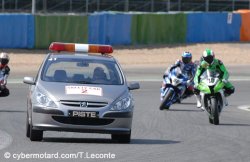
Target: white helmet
column 4, row 58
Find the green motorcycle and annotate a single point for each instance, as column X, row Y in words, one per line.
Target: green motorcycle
column 212, row 95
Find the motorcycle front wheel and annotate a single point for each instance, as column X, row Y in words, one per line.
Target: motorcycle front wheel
column 214, row 112
column 166, row 99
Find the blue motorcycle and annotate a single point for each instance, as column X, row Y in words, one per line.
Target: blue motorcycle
column 177, row 84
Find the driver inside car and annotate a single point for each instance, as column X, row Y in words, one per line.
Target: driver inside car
column 99, row 75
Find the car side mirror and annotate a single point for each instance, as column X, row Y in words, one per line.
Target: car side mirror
column 133, row 86
column 29, row 80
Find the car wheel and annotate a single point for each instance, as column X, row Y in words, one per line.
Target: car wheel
column 35, row 135
column 121, row 138
column 5, row 92
column 27, row 126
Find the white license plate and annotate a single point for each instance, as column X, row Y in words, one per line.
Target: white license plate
column 83, row 114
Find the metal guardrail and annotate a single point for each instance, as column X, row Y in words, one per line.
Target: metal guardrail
column 90, row 6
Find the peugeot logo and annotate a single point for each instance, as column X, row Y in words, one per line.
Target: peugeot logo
column 83, row 104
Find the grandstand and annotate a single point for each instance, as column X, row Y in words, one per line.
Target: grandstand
column 90, row 6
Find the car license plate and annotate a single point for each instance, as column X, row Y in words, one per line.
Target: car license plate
column 83, row 114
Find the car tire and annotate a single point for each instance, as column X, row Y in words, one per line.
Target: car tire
column 27, row 126
column 36, row 135
column 121, row 138
column 5, row 92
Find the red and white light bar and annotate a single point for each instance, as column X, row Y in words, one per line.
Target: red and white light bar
column 75, row 47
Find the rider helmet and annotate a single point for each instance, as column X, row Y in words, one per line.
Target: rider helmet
column 208, row 56
column 186, row 57
column 4, row 58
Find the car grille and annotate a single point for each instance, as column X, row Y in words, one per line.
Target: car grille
column 82, row 121
column 87, row 104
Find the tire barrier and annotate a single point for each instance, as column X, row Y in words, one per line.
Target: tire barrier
column 213, row 27
column 17, row 31
column 245, row 26
column 29, row 31
column 158, row 28
column 60, row 28
column 109, row 29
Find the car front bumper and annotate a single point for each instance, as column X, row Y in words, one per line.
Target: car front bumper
column 49, row 119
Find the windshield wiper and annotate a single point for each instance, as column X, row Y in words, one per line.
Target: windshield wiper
column 81, row 82
column 87, row 82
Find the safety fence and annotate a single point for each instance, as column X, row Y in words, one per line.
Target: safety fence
column 29, row 31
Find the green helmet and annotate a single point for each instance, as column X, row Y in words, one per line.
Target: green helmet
column 208, row 56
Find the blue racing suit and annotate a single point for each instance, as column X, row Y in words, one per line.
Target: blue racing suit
column 187, row 69
column 4, row 73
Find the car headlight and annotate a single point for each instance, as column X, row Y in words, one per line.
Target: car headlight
column 44, row 100
column 123, row 104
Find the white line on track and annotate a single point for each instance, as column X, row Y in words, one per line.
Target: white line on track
column 159, row 80
column 5, row 139
column 244, row 107
column 146, row 79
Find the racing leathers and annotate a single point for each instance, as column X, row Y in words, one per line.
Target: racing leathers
column 188, row 69
column 218, row 66
column 4, row 73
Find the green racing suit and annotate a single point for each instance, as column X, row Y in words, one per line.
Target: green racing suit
column 217, row 65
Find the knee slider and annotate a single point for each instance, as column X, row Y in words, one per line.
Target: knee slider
column 196, row 91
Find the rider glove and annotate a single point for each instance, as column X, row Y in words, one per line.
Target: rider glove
column 224, row 81
column 162, row 89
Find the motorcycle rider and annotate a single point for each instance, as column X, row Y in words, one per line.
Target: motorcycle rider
column 4, row 70
column 208, row 61
column 187, row 67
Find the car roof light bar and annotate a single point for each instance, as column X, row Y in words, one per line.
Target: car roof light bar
column 76, row 47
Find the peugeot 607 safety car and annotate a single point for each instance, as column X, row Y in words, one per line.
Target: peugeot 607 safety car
column 80, row 92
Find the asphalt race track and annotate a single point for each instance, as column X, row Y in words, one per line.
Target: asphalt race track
column 181, row 134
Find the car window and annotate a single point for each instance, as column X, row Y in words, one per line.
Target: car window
column 81, row 71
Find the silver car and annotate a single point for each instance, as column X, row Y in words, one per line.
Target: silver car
column 80, row 93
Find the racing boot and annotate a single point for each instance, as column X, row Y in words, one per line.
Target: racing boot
column 226, row 102
column 178, row 100
column 198, row 99
column 228, row 91
column 162, row 89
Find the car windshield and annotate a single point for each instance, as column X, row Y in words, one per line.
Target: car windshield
column 82, row 71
